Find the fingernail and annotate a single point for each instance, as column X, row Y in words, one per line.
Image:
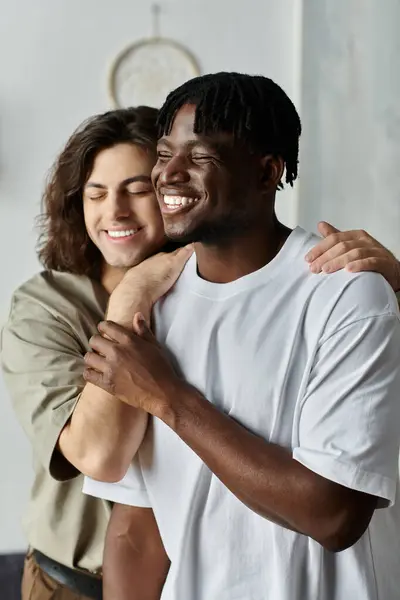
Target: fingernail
column 308, row 257
column 314, row 269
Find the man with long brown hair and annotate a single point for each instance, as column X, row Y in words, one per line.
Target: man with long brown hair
column 100, row 224
column 100, row 219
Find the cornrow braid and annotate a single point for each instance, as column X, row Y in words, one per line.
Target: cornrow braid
column 251, row 107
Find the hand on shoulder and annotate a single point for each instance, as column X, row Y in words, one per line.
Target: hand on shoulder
column 354, row 251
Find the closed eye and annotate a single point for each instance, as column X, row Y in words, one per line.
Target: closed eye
column 140, row 191
column 202, row 157
column 163, row 156
column 96, row 196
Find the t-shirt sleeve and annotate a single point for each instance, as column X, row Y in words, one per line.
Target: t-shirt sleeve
column 398, row 297
column 131, row 490
column 349, row 421
column 43, row 365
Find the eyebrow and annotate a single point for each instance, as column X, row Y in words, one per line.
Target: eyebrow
column 140, row 178
column 205, row 143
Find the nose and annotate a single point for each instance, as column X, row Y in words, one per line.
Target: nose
column 118, row 206
column 174, row 171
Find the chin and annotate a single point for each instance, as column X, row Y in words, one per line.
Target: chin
column 127, row 263
column 181, row 233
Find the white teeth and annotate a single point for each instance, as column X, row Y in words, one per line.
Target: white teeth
column 118, row 234
column 179, row 200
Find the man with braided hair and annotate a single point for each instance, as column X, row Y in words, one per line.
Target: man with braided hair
column 270, row 465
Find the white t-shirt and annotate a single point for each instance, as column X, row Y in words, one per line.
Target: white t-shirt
column 309, row 362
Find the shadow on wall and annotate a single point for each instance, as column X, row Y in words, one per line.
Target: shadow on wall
column 11, row 566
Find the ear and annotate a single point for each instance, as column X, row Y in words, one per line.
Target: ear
column 272, row 170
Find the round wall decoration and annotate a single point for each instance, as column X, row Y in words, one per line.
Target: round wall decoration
column 147, row 70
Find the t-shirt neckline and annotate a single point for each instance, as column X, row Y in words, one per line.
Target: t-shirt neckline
column 222, row 291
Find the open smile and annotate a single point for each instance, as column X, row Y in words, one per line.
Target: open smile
column 118, row 236
column 177, row 204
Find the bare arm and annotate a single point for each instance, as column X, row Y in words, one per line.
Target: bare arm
column 267, row 477
column 102, row 422
column 135, row 563
column 103, row 434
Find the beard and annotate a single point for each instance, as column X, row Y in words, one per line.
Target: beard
column 217, row 232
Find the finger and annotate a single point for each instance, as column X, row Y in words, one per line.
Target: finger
column 101, row 344
column 188, row 249
column 95, row 361
column 114, row 332
column 374, row 264
column 141, row 328
column 337, row 258
column 97, row 379
column 180, row 258
column 326, row 229
column 350, row 238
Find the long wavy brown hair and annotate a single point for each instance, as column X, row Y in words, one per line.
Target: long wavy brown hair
column 64, row 244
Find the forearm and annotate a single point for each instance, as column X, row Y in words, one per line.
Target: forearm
column 133, row 568
column 102, row 435
column 262, row 475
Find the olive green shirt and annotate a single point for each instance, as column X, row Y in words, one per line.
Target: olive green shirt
column 52, row 318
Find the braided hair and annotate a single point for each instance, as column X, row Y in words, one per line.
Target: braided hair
column 251, row 107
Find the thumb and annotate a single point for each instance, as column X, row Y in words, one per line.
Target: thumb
column 326, row 229
column 141, row 328
column 181, row 256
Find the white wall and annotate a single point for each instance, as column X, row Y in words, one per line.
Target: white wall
column 54, row 57
column 350, row 160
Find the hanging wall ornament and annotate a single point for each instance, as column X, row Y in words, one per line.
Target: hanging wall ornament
column 147, row 70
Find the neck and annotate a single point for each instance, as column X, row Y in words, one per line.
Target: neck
column 111, row 277
column 239, row 257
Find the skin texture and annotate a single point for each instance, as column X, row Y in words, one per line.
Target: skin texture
column 135, row 368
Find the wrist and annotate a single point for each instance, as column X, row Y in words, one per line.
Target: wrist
column 123, row 315
column 178, row 405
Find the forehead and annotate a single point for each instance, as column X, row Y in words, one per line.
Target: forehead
column 122, row 160
column 182, row 131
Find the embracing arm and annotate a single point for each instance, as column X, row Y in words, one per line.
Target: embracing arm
column 75, row 427
column 135, row 564
column 43, row 363
column 267, row 478
column 103, row 434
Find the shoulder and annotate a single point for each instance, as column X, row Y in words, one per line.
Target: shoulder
column 339, row 299
column 53, row 310
column 58, row 294
column 348, row 302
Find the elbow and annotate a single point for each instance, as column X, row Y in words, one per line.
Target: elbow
column 338, row 542
column 339, row 536
column 103, row 469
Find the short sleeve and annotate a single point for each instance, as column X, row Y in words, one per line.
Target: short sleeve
column 131, row 490
column 42, row 364
column 349, row 422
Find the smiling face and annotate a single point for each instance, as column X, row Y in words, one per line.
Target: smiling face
column 122, row 216
column 208, row 187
